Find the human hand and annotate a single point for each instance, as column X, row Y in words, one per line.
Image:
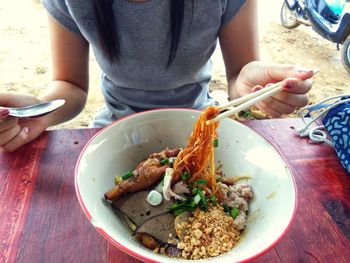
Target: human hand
column 296, row 83
column 15, row 132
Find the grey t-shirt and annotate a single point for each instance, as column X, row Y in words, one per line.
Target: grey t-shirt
column 140, row 80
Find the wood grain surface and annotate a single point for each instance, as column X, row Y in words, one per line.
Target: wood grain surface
column 41, row 220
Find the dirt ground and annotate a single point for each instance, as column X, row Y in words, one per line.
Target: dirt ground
column 25, row 64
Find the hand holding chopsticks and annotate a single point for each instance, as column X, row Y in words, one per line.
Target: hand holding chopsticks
column 246, row 101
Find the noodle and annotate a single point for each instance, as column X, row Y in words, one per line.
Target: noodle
column 199, row 152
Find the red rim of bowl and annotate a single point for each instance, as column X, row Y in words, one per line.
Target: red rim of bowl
column 141, row 257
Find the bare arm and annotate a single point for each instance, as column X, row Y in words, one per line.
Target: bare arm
column 70, row 58
column 239, row 42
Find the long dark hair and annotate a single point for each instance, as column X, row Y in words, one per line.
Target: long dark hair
column 108, row 31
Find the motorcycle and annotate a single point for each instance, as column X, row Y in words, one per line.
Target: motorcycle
column 327, row 17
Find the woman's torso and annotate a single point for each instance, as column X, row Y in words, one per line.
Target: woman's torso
column 140, row 80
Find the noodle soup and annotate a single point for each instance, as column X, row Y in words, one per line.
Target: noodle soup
column 120, row 147
column 194, row 212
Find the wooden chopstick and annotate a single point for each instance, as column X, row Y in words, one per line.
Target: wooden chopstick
column 246, row 101
column 249, row 96
column 255, row 94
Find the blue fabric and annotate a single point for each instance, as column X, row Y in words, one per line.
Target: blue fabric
column 337, row 123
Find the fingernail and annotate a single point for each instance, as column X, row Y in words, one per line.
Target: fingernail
column 315, row 71
column 256, row 88
column 26, row 130
column 305, row 70
column 4, row 112
column 288, row 85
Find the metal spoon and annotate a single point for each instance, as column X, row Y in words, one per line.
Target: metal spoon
column 36, row 110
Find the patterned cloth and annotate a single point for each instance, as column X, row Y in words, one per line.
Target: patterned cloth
column 337, row 124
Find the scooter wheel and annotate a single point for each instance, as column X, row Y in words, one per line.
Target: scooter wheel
column 288, row 17
column 345, row 54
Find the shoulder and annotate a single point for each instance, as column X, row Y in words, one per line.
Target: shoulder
column 230, row 8
column 69, row 13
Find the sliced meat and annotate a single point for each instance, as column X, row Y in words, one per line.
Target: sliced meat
column 138, row 210
column 161, row 227
column 181, row 188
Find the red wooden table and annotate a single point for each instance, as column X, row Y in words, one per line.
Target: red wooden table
column 41, row 220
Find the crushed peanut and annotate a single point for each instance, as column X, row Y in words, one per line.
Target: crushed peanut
column 208, row 234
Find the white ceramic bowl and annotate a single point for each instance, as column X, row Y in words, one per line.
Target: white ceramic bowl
column 120, row 146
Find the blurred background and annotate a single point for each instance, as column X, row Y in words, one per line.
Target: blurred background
column 25, row 64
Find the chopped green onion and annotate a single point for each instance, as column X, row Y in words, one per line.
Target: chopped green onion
column 201, row 181
column 187, row 205
column 185, row 176
column 216, row 142
column 203, row 203
column 192, row 204
column 197, row 198
column 213, row 198
column 117, row 179
column 226, row 209
column 164, row 161
column 203, row 206
column 246, row 114
column 195, row 191
column 234, row 212
column 127, row 175
column 175, row 207
column 218, row 179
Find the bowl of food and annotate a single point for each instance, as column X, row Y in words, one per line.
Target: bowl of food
column 163, row 186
